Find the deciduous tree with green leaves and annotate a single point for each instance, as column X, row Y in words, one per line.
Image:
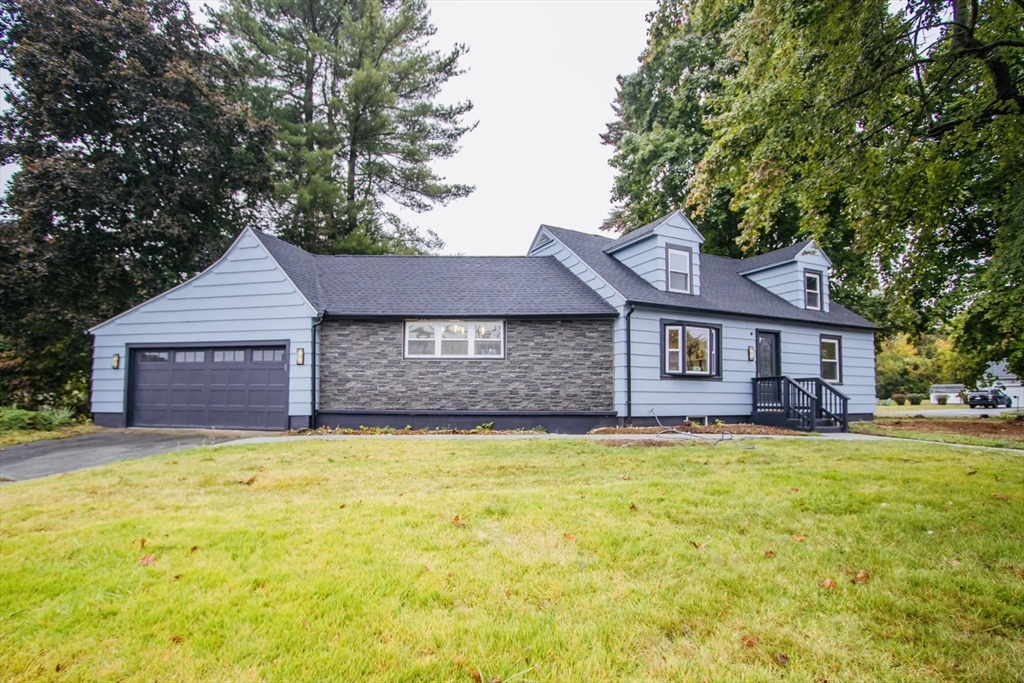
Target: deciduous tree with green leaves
column 912, row 119
column 352, row 86
column 662, row 134
column 137, row 167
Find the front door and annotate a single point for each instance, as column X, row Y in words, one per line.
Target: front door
column 769, row 394
column 768, row 354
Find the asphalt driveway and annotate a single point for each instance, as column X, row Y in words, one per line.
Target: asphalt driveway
column 43, row 458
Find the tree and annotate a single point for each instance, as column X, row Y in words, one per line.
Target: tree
column 911, row 122
column 352, row 88
column 661, row 136
column 137, row 167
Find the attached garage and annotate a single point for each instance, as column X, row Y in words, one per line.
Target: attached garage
column 232, row 348
column 212, row 387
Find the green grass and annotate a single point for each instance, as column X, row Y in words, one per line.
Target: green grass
column 924, row 407
column 342, row 561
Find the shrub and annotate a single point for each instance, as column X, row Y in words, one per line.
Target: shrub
column 899, row 398
column 49, row 419
column 942, row 399
column 14, row 418
column 915, row 399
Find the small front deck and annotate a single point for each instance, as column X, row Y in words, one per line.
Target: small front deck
column 807, row 405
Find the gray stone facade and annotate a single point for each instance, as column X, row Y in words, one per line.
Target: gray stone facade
column 549, row 365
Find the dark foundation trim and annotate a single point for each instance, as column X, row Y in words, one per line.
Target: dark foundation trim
column 552, row 421
column 112, row 420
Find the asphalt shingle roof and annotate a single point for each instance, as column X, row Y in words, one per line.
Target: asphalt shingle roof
column 436, row 286
column 722, row 288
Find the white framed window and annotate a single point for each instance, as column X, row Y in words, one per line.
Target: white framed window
column 691, row 350
column 832, row 359
column 480, row 339
column 679, row 261
column 812, row 291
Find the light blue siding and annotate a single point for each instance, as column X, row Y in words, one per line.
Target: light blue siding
column 647, row 257
column 245, row 297
column 787, row 279
column 731, row 396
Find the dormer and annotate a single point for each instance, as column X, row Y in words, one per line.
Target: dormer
column 665, row 252
column 799, row 274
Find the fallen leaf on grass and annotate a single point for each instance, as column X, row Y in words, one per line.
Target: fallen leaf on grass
column 971, row 471
column 798, row 538
column 341, row 506
column 176, row 639
column 750, row 642
column 305, row 624
column 569, row 537
column 782, row 659
column 147, row 560
column 770, row 554
column 249, row 481
column 862, row 577
column 193, row 549
column 477, row 678
column 624, row 477
column 829, row 583
column 142, row 544
column 1000, row 496
column 699, row 547
column 175, row 577
column 459, row 660
column 58, row 667
column 794, row 489
column 263, row 468
column 632, row 506
column 457, row 521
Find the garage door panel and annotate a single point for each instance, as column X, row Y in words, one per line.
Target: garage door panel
column 200, row 388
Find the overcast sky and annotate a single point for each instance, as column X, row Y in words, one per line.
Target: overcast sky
column 542, row 76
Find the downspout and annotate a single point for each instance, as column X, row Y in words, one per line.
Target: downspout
column 312, row 367
column 629, row 368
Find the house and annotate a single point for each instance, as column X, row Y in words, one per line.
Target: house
column 583, row 331
column 998, row 376
column 954, row 393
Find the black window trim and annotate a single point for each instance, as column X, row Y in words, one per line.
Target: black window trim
column 716, row 376
column 668, row 273
column 838, row 339
column 821, row 287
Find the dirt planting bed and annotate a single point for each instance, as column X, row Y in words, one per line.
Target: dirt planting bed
column 1011, row 428
column 696, row 428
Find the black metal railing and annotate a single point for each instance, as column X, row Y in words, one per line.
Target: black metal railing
column 783, row 395
column 804, row 401
column 832, row 403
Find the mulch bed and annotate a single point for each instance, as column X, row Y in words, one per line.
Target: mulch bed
column 1012, row 428
column 696, row 428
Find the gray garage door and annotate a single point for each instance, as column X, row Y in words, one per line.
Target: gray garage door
column 229, row 388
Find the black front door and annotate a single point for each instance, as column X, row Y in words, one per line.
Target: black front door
column 768, row 393
column 768, row 354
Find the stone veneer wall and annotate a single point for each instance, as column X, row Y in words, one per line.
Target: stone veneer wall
column 549, row 365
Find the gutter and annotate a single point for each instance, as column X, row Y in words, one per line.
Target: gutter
column 629, row 366
column 312, row 367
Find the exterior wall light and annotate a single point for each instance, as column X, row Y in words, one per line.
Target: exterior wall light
column 115, row 362
column 300, row 357
column 750, row 353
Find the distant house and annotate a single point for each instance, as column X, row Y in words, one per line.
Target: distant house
column 952, row 392
column 1002, row 378
column 583, row 331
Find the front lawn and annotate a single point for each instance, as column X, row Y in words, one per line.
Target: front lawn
column 547, row 560
column 14, row 437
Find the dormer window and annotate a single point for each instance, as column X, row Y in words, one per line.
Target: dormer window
column 679, row 267
column 812, row 290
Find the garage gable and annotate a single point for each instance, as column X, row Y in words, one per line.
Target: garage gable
column 244, row 298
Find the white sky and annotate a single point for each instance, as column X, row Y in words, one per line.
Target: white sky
column 541, row 74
